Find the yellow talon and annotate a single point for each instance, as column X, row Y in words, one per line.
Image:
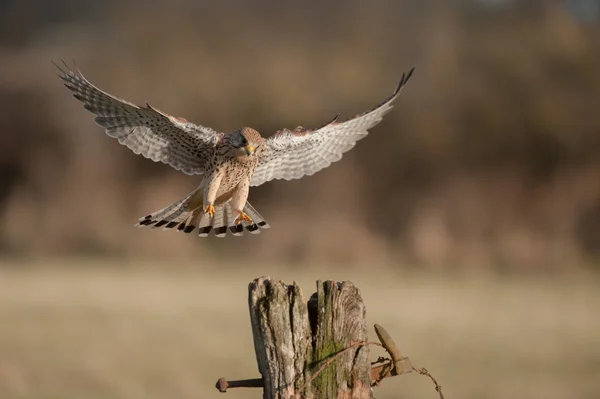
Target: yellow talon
column 244, row 218
column 210, row 210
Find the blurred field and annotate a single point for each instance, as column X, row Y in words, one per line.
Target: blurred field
column 488, row 164
column 137, row 330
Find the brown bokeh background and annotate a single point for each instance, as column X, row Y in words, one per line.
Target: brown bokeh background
column 469, row 218
column 489, row 159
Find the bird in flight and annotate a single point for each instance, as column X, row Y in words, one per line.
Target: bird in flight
column 230, row 162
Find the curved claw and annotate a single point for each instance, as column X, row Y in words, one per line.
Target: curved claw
column 210, row 209
column 243, row 217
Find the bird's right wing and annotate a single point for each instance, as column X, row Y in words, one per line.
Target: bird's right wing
column 146, row 131
column 291, row 154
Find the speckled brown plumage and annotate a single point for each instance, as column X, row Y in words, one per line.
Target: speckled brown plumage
column 230, row 162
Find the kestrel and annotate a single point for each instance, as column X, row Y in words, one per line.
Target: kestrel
column 230, row 162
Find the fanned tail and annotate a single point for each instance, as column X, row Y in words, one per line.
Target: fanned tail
column 187, row 215
column 259, row 221
column 181, row 215
column 226, row 219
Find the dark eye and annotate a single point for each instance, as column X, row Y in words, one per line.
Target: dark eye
column 239, row 141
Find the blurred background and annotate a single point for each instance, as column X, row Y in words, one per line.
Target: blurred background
column 469, row 218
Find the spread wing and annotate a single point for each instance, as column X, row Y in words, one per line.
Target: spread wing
column 303, row 152
column 146, row 131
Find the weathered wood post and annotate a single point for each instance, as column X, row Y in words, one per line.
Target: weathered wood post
column 294, row 338
column 316, row 349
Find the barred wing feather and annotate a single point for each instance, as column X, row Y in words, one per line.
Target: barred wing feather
column 146, row 131
column 292, row 154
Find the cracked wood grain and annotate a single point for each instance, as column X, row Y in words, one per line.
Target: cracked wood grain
column 293, row 338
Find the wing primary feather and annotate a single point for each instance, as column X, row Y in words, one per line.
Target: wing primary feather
column 328, row 123
column 147, row 131
column 65, row 64
column 291, row 154
column 59, row 68
column 77, row 67
column 403, row 80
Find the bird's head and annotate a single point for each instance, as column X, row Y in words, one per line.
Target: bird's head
column 245, row 141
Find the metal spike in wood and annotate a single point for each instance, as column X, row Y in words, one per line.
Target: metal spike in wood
column 294, row 338
column 401, row 365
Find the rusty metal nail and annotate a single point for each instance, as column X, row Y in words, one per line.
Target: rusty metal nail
column 222, row 384
column 381, row 372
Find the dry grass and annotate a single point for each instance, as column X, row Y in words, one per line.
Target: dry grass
column 143, row 331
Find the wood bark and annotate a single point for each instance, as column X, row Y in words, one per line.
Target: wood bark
column 293, row 339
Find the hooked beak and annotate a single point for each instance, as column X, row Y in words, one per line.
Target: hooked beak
column 249, row 150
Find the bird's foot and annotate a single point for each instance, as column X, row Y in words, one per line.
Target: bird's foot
column 243, row 217
column 210, row 209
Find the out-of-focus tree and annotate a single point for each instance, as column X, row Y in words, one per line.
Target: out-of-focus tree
column 490, row 157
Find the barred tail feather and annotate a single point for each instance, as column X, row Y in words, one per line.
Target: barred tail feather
column 259, row 221
column 218, row 223
column 175, row 215
column 226, row 219
column 179, row 216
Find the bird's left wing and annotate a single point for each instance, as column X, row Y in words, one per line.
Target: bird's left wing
column 303, row 152
column 145, row 130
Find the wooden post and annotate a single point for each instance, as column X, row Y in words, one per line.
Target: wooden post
column 316, row 349
column 294, row 338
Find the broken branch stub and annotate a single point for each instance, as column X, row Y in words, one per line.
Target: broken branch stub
column 293, row 339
